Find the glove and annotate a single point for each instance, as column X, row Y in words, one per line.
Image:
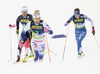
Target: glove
column 65, row 24
column 93, row 31
column 50, row 32
column 10, row 25
column 46, row 30
column 17, row 32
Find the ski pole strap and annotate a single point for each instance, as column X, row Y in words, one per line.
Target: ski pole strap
column 97, row 42
column 10, row 45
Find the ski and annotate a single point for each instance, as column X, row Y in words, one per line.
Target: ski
column 81, row 56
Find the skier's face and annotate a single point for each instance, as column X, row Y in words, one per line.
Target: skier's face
column 24, row 13
column 77, row 16
column 36, row 20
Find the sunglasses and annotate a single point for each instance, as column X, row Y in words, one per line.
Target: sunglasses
column 76, row 14
column 24, row 12
column 36, row 19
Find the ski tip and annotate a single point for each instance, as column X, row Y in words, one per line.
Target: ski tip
column 62, row 59
column 50, row 61
column 16, row 62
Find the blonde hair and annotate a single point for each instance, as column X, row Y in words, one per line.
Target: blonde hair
column 24, row 7
column 36, row 12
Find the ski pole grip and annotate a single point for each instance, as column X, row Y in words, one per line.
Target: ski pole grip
column 10, row 25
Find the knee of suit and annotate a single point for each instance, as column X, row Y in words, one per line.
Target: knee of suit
column 19, row 48
column 40, row 57
column 79, row 44
column 18, row 52
column 26, row 45
column 79, row 47
column 37, row 55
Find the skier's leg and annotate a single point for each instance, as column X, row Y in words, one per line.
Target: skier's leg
column 79, row 39
column 35, row 49
column 19, row 47
column 27, row 46
column 41, row 51
column 18, row 53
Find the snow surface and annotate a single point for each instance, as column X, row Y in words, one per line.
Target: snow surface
column 55, row 13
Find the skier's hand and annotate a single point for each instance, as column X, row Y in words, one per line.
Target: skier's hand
column 65, row 24
column 17, row 32
column 93, row 31
column 21, row 43
column 10, row 25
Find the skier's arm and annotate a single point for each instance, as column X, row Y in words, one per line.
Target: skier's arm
column 68, row 21
column 89, row 19
column 17, row 26
column 47, row 28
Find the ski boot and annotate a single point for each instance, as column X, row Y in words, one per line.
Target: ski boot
column 31, row 55
column 18, row 59
column 81, row 55
column 25, row 58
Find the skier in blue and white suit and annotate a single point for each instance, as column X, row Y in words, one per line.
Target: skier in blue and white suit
column 80, row 30
column 35, row 31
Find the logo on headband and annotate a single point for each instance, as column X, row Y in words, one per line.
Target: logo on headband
column 76, row 12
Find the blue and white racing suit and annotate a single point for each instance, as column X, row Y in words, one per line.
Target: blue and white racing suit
column 80, row 30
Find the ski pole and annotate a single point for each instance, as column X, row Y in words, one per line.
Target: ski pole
column 10, row 44
column 65, row 43
column 18, row 38
column 48, row 48
column 97, row 42
column 53, row 52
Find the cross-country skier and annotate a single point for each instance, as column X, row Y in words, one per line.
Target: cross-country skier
column 24, row 18
column 80, row 30
column 36, row 33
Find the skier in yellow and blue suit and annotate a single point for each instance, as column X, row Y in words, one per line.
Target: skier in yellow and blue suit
column 80, row 30
column 35, row 31
column 24, row 18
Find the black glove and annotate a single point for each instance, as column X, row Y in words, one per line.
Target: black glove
column 93, row 31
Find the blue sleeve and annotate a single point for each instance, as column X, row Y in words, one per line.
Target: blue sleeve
column 70, row 20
